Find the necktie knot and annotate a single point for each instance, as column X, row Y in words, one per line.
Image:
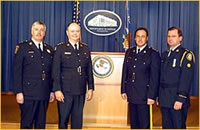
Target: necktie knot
column 138, row 50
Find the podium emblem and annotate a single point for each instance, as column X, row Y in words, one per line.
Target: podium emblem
column 102, row 66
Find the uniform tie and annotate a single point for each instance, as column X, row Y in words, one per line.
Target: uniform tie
column 170, row 51
column 40, row 47
column 138, row 51
column 76, row 48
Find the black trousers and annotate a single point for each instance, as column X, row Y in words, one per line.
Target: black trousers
column 174, row 119
column 33, row 114
column 139, row 116
column 73, row 105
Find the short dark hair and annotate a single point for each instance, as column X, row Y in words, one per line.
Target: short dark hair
column 176, row 28
column 141, row 28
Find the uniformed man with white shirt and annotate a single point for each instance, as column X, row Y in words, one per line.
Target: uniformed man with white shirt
column 140, row 79
column 32, row 78
column 177, row 66
column 72, row 73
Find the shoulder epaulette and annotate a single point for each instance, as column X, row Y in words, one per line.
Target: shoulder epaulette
column 153, row 49
column 84, row 44
column 22, row 42
column 61, row 43
column 189, row 56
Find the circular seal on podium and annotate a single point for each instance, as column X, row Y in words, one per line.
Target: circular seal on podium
column 102, row 66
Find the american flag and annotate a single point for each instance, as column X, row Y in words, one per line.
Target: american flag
column 76, row 12
column 127, row 33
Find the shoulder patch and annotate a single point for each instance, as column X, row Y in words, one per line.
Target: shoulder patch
column 16, row 49
column 189, row 56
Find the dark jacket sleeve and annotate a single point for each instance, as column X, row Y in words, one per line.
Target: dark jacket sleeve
column 187, row 69
column 154, row 75
column 90, row 74
column 18, row 69
column 124, row 73
column 56, row 69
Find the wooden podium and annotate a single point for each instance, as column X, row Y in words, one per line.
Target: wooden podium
column 107, row 108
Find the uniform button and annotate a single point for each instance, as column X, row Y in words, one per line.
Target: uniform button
column 135, row 59
column 43, row 64
column 31, row 56
column 78, row 54
column 134, row 66
column 133, row 80
column 42, row 57
column 79, row 60
column 28, row 83
column 144, row 63
column 43, row 71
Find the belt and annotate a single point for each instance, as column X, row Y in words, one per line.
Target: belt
column 165, row 85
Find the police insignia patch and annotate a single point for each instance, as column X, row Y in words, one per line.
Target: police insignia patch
column 48, row 51
column 16, row 49
column 188, row 65
column 189, row 56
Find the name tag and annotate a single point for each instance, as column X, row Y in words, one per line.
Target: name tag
column 31, row 52
column 67, row 53
column 174, row 63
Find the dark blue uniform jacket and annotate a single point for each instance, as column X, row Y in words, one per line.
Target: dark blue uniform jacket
column 32, row 70
column 140, row 76
column 176, row 76
column 72, row 70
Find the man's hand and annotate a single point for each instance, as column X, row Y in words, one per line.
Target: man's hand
column 20, row 98
column 178, row 105
column 124, row 96
column 59, row 96
column 150, row 101
column 89, row 95
column 51, row 97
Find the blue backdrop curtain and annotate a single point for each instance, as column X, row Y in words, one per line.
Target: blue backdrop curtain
column 157, row 17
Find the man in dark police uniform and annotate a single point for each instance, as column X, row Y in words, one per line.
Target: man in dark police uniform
column 32, row 78
column 140, row 79
column 177, row 66
column 72, row 72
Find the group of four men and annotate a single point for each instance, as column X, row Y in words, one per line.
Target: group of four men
column 42, row 74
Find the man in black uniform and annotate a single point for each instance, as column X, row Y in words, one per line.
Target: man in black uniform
column 32, row 77
column 140, row 79
column 72, row 72
column 176, row 77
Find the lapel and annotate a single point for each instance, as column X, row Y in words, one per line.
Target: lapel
column 33, row 47
column 46, row 50
column 69, row 47
column 133, row 52
column 175, row 52
column 80, row 47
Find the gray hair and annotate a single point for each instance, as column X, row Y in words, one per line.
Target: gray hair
column 38, row 23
